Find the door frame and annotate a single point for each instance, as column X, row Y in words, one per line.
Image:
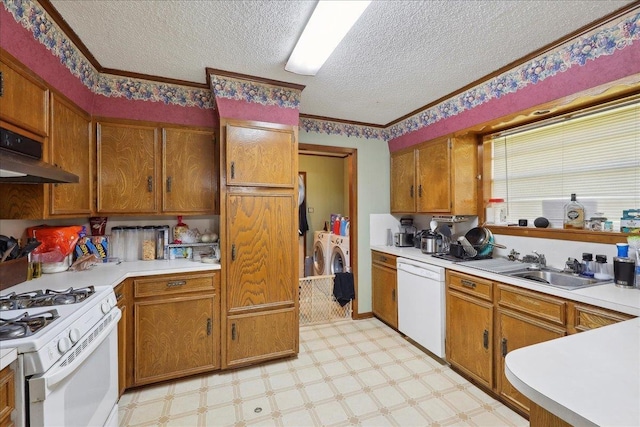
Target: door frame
column 351, row 155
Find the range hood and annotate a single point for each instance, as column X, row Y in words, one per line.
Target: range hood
column 21, row 162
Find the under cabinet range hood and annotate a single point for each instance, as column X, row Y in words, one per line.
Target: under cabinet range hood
column 21, row 162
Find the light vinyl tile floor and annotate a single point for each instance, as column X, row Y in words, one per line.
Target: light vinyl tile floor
column 348, row 373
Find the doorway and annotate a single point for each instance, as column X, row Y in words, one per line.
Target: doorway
column 342, row 161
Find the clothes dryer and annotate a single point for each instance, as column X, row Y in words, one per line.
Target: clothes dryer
column 321, row 252
column 340, row 261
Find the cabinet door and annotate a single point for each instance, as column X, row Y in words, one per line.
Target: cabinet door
column 385, row 304
column 173, row 338
column 260, row 156
column 24, row 100
column 188, row 171
column 433, row 177
column 127, row 168
column 515, row 331
column 256, row 337
column 403, row 191
column 7, row 396
column 70, row 144
column 469, row 336
column 261, row 266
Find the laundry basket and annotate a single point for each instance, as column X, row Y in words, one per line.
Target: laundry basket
column 317, row 303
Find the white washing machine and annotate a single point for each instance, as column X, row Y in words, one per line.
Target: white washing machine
column 321, row 252
column 340, row 261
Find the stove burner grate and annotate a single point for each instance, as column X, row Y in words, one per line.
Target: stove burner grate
column 25, row 324
column 45, row 298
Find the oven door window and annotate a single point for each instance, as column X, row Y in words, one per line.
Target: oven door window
column 82, row 389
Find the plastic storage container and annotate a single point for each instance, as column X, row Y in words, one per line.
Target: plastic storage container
column 148, row 243
column 496, row 212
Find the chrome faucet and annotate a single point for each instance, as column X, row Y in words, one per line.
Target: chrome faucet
column 573, row 266
column 537, row 261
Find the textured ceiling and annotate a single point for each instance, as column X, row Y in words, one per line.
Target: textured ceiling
column 400, row 56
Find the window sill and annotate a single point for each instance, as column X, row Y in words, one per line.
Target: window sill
column 561, row 234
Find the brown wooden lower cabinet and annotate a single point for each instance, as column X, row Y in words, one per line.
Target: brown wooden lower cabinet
column 256, row 337
column 175, row 326
column 515, row 331
column 384, row 288
column 123, row 304
column 486, row 320
column 7, row 396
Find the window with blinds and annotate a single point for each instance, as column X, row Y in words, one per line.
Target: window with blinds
column 594, row 154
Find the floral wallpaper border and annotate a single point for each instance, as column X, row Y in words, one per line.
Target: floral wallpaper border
column 601, row 41
column 250, row 91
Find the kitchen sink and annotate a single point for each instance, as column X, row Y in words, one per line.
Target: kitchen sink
column 558, row 279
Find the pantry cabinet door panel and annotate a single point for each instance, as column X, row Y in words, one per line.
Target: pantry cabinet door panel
column 188, row 170
column 70, row 144
column 261, row 268
column 260, row 156
column 434, row 177
column 128, row 174
column 253, row 338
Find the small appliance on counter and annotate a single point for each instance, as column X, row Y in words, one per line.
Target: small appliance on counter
column 431, row 240
column 404, row 238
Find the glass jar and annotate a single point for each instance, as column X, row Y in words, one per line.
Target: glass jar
column 116, row 243
column 148, row 243
column 131, row 244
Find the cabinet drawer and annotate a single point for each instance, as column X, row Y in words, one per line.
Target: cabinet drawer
column 384, row 259
column 7, row 395
column 586, row 317
column 175, row 284
column 471, row 285
column 541, row 306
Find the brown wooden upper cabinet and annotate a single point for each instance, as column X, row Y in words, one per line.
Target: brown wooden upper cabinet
column 24, row 99
column 438, row 176
column 259, row 156
column 128, row 173
column 146, row 169
column 188, row 170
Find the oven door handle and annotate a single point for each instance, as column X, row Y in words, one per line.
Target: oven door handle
column 41, row 386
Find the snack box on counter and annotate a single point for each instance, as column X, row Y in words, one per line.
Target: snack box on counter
column 97, row 245
column 630, row 221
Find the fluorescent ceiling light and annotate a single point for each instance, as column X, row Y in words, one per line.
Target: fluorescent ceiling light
column 329, row 23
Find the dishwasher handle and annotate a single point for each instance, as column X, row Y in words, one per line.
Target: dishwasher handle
column 418, row 271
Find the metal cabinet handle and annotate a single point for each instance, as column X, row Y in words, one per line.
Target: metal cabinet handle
column 420, row 190
column 504, row 347
column 150, row 184
column 485, row 339
column 468, row 284
column 233, row 170
column 233, row 332
column 393, row 294
column 169, row 182
column 411, row 191
column 1, row 84
column 209, row 326
column 383, row 258
column 233, row 252
column 176, row 283
column 119, row 297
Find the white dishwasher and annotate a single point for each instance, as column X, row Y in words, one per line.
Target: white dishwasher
column 421, row 303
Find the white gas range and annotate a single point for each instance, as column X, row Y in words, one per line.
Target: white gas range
column 67, row 365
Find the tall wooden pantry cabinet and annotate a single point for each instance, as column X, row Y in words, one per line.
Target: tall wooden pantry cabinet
column 258, row 229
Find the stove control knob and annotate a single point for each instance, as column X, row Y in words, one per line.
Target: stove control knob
column 64, row 345
column 106, row 307
column 74, row 335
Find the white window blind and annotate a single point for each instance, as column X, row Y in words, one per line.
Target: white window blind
column 595, row 155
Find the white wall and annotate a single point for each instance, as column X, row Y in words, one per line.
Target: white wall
column 373, row 196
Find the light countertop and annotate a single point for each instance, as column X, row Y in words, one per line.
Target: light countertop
column 110, row 274
column 607, row 296
column 587, row 379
